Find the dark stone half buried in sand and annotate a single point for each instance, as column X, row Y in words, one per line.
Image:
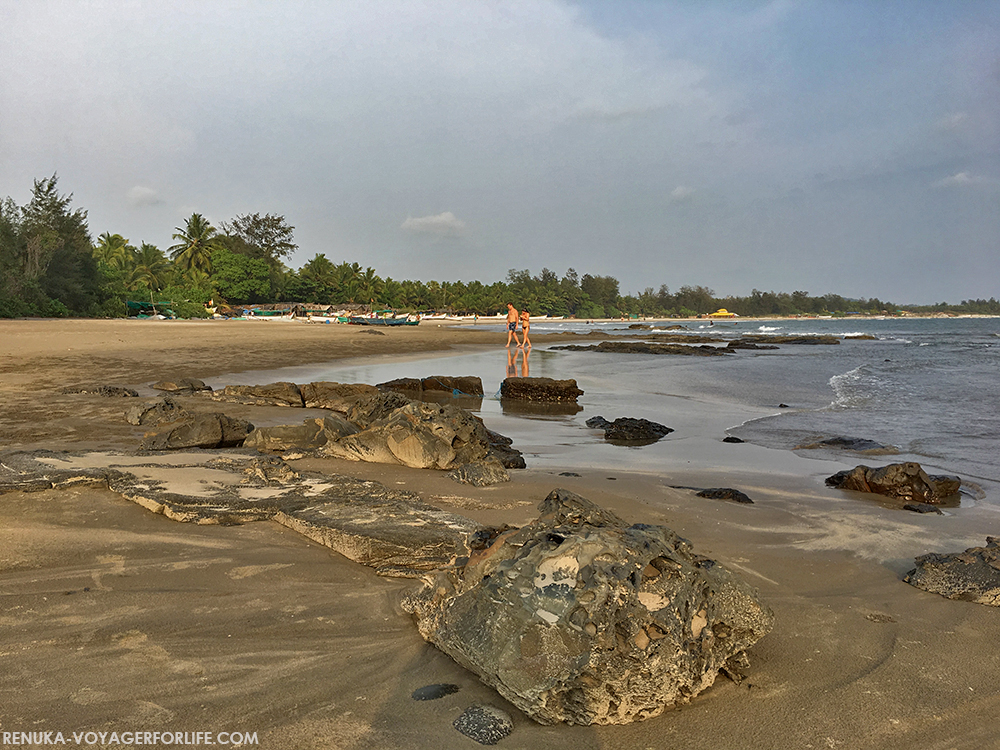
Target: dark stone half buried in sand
column 905, row 481
column 726, row 493
column 486, row 725
column 591, row 621
column 197, row 431
column 434, row 692
column 971, row 576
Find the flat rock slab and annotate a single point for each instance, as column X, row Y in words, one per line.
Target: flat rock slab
column 271, row 394
column 726, row 493
column 642, row 347
column 392, row 531
column 971, row 576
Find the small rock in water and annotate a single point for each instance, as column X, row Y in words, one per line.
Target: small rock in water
column 433, row 692
column 484, row 724
column 922, row 508
column 731, row 439
column 783, row 406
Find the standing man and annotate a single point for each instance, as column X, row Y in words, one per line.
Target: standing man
column 512, row 325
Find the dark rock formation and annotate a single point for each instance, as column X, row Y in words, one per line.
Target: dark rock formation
column 743, row 344
column 922, row 508
column 816, row 340
column 182, row 386
column 726, row 493
column 154, row 411
column 591, row 621
column 339, row 397
column 641, row 347
column 629, row 430
column 971, row 576
column 861, row 337
column 213, row 430
column 434, row 692
column 732, row 439
column 906, row 481
column 369, row 410
column 108, row 391
column 501, row 448
column 539, row 389
column 272, row 394
column 482, row 473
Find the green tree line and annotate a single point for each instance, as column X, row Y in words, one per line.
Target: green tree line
column 50, row 266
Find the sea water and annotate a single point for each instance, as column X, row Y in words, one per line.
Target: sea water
column 927, row 388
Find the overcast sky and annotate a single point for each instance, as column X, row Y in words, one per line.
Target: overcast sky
column 846, row 147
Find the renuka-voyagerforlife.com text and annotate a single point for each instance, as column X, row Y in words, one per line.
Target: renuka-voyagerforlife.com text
column 237, row 739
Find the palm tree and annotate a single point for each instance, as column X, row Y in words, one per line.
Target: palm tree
column 149, row 268
column 113, row 250
column 195, row 243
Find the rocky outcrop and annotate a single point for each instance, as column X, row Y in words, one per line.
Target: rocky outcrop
column 420, row 435
column 726, row 493
column 371, row 409
column 743, row 344
column 213, row 430
column 272, row 394
column 182, row 386
column 482, row 473
column 312, row 434
column 858, row 445
column 971, row 576
column 905, row 481
column 642, row 347
column 539, row 389
column 468, row 385
column 629, row 430
column 108, row 391
column 339, row 397
column 154, row 411
column 591, row 621
column 815, row 340
column 501, row 448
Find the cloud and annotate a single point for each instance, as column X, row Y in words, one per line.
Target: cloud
column 681, row 193
column 961, row 179
column 444, row 224
column 143, row 196
column 953, row 121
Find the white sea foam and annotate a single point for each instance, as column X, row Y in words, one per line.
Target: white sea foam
column 845, row 388
column 768, row 329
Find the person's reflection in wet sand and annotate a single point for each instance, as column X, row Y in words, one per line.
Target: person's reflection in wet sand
column 524, row 361
column 512, row 362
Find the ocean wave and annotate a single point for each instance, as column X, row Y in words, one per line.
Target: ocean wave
column 848, row 388
column 768, row 329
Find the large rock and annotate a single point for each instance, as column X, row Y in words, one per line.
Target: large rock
column 371, row 409
column 183, row 386
column 466, row 385
column 339, row 397
column 972, row 576
column 271, row 394
column 197, row 431
column 153, row 411
column 482, row 473
column 420, row 435
column 629, row 430
column 906, row 481
column 580, row 618
column 312, row 434
column 539, row 389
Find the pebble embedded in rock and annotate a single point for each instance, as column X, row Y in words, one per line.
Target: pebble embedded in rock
column 484, row 724
column 433, row 692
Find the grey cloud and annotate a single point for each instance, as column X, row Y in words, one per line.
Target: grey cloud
column 443, row 224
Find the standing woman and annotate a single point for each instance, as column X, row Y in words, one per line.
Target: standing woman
column 525, row 325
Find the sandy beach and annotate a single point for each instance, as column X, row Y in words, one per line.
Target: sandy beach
column 116, row 619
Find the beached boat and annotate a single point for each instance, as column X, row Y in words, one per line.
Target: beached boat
column 383, row 318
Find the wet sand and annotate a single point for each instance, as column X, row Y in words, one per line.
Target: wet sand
column 115, row 619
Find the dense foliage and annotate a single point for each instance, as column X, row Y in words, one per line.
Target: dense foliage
column 49, row 266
